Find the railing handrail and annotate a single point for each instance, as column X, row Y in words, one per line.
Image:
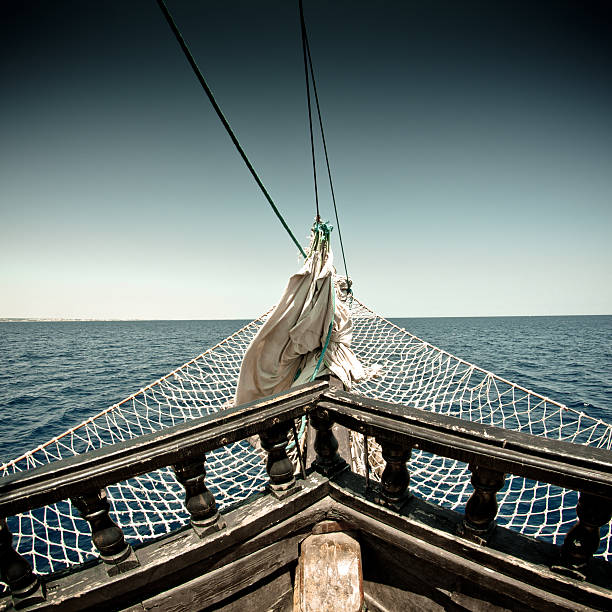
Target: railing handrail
column 556, row 462
column 65, row 478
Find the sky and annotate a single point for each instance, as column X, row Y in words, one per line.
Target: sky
column 470, row 146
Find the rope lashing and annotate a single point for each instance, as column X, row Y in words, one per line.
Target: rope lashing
column 224, row 121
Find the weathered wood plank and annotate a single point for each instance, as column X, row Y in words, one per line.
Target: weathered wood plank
column 220, row 584
column 273, row 596
column 453, row 564
column 518, row 557
column 390, row 598
column 422, row 532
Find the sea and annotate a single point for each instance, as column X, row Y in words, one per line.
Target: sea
column 55, row 374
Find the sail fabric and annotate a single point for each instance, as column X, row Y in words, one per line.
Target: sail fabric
column 339, row 360
column 308, row 333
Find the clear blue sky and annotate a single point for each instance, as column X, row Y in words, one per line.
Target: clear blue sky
column 471, row 145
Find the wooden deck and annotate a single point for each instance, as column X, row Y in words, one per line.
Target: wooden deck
column 415, row 555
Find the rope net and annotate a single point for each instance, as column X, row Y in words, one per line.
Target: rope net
column 410, row 371
column 415, row 373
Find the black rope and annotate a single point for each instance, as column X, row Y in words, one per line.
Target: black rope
column 306, row 47
column 226, row 125
column 312, row 147
column 299, row 452
column 366, row 461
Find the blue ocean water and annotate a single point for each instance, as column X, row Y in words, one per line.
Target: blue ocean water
column 53, row 375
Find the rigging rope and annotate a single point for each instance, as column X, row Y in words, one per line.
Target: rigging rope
column 224, row 121
column 306, row 48
column 312, row 147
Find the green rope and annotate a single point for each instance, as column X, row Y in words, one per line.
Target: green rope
column 322, row 233
column 224, row 121
column 329, row 333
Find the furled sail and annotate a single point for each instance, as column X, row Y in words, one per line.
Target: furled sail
column 308, row 334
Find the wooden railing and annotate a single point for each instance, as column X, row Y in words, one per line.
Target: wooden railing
column 491, row 453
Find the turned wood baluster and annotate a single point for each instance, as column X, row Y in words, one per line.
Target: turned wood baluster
column 199, row 501
column 107, row 537
column 582, row 540
column 395, row 478
column 16, row 572
column 481, row 508
column 328, row 461
column 279, row 467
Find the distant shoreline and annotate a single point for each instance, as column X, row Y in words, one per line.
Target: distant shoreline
column 58, row 320
column 44, row 320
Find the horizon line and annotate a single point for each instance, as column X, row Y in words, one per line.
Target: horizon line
column 144, row 320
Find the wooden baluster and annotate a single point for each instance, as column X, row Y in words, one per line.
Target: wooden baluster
column 328, row 461
column 481, row 508
column 25, row 586
column 582, row 540
column 394, row 481
column 107, row 537
column 279, row 467
column 199, row 501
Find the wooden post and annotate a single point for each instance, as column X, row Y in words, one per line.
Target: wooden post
column 328, row 461
column 279, row 467
column 582, row 540
column 481, row 508
column 199, row 501
column 25, row 586
column 107, row 537
column 329, row 572
column 395, row 478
